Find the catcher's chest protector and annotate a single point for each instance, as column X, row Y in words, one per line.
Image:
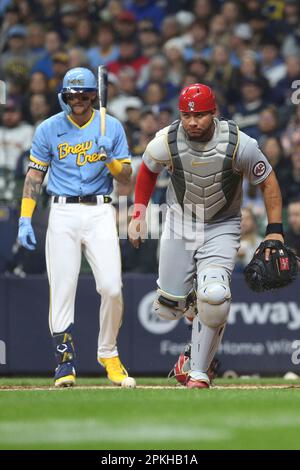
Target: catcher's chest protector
column 205, row 177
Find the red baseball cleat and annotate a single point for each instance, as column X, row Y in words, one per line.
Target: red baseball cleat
column 192, row 383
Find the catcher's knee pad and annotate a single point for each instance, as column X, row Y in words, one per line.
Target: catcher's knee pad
column 64, row 347
column 172, row 307
column 214, row 296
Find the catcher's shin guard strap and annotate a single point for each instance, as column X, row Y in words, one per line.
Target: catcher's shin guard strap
column 64, row 347
column 168, row 306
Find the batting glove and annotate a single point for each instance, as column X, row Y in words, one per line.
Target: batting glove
column 26, row 235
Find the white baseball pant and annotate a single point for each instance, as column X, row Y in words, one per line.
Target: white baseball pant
column 91, row 228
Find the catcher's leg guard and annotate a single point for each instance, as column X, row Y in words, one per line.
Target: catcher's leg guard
column 214, row 296
column 171, row 307
column 65, row 355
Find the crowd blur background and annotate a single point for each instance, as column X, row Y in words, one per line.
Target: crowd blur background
column 248, row 51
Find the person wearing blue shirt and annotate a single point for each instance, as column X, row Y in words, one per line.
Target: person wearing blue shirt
column 70, row 147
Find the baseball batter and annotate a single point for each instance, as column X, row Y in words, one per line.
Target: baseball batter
column 81, row 217
column 207, row 158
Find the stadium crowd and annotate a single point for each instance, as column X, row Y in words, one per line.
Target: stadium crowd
column 248, row 51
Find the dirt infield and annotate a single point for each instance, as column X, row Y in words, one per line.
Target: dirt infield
column 16, row 388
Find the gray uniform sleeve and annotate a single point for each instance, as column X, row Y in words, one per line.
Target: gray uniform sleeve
column 250, row 161
column 157, row 154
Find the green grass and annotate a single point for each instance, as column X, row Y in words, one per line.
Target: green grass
column 149, row 419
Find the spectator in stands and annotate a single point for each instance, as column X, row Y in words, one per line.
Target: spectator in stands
column 198, row 41
column 292, row 235
column 220, row 71
column 273, row 150
column 199, row 68
column 173, row 50
column 106, row 50
column 249, row 69
column 272, row 66
column 78, row 57
column 83, row 34
column 53, row 44
column 38, row 83
column 218, row 31
column 60, row 66
column 250, row 239
column 39, row 108
column 146, row 9
column 17, row 59
column 69, row 15
column 284, row 89
column 240, row 42
column 170, row 28
column 10, row 18
column 157, row 71
column 126, row 26
column 148, row 128
column 291, row 15
column 149, row 41
column 155, row 94
column 127, row 94
column 290, row 187
column 165, row 116
column 203, row 10
column 268, row 124
column 15, row 138
column 128, row 57
column 133, row 119
column 291, row 134
column 252, row 103
column 36, row 41
column 48, row 13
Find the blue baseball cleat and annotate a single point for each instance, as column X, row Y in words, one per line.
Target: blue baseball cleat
column 65, row 375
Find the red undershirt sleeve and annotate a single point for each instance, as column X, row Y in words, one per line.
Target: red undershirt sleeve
column 145, row 183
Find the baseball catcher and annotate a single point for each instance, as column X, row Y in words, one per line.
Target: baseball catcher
column 207, row 158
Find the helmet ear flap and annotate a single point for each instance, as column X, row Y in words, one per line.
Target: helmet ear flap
column 63, row 104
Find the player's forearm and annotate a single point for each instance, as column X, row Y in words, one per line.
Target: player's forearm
column 125, row 174
column 31, row 191
column 272, row 197
column 120, row 171
column 145, row 184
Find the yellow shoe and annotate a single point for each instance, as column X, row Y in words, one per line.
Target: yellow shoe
column 116, row 372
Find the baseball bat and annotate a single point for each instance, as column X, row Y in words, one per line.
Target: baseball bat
column 102, row 93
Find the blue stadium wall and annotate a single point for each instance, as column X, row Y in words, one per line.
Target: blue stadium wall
column 260, row 337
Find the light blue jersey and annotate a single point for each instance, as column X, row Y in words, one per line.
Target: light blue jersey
column 72, row 154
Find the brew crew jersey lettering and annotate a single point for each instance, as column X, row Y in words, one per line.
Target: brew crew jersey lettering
column 72, row 155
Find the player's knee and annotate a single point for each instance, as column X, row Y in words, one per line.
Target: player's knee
column 168, row 307
column 214, row 296
column 110, row 289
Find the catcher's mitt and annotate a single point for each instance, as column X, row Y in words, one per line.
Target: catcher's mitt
column 279, row 271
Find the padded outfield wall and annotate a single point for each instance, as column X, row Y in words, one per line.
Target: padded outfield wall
column 262, row 336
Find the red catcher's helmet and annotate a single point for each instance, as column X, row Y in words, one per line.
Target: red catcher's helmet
column 197, row 98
